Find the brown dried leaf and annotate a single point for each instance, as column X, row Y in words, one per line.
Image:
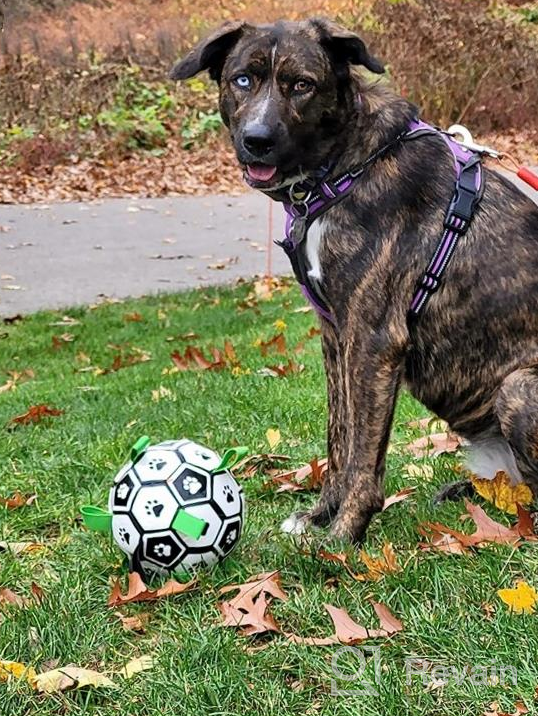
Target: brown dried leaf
column 248, row 609
column 139, row 592
column 398, row 497
column 17, row 500
column 349, row 632
column 435, row 444
column 265, row 462
column 487, row 531
column 136, row 623
column 308, row 477
column 134, row 317
column 35, row 414
column 276, row 344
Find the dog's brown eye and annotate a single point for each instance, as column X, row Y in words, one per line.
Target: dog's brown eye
column 302, row 86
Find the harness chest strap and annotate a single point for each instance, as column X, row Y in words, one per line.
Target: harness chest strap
column 307, row 204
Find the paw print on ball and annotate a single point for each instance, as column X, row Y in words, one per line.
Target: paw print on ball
column 227, row 494
column 192, row 485
column 157, row 464
column 125, row 533
column 162, row 548
column 154, row 507
column 123, row 493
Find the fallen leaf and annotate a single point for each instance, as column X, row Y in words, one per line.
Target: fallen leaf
column 35, row 414
column 502, row 493
column 70, row 677
column 306, row 478
column 134, row 317
column 421, row 470
column 248, row 609
column 17, row 500
column 139, row 592
column 266, row 582
column 276, row 344
column 434, row 445
column 494, row 707
column 59, row 341
column 282, row 369
column 378, row 566
column 521, row 599
column 7, row 596
column 16, row 548
column 398, row 497
column 15, row 670
column 280, row 325
column 194, row 358
column 447, row 539
column 135, row 666
column 264, row 462
column 136, row 623
column 349, row 632
column 430, row 425
column 273, row 437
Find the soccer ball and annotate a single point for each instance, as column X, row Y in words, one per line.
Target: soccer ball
column 175, row 509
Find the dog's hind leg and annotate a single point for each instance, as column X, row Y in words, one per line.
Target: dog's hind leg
column 517, row 411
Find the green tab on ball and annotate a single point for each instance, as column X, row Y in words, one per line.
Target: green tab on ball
column 189, row 525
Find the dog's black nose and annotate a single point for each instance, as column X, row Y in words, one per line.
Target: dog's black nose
column 258, row 140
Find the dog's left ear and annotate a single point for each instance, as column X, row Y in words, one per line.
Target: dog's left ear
column 209, row 54
column 345, row 45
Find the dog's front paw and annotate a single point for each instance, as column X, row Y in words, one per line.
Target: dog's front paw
column 296, row 524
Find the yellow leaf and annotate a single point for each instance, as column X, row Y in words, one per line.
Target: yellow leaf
column 521, row 599
column 421, row 470
column 280, row 325
column 502, row 493
column 70, row 677
column 273, row 437
column 16, row 670
column 135, row 666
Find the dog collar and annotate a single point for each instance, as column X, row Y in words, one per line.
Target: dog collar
column 305, row 202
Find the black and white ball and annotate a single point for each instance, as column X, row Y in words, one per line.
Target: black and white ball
column 150, row 498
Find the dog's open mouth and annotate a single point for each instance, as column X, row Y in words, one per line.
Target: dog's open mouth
column 260, row 174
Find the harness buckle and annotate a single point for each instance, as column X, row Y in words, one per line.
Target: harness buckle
column 428, row 282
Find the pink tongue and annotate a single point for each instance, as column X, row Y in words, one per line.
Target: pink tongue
column 261, row 172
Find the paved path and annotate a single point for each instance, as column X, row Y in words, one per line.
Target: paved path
column 68, row 254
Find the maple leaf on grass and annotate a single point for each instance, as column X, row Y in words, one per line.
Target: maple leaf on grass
column 17, row 500
column 139, row 592
column 487, row 531
column 521, row 600
column 347, row 631
column 502, row 493
column 35, row 414
column 276, row 344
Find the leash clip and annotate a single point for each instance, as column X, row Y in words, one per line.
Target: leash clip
column 458, row 130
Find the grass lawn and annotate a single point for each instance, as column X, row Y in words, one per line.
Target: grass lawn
column 200, row 667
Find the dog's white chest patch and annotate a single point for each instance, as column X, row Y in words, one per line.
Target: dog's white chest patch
column 313, row 249
column 486, row 457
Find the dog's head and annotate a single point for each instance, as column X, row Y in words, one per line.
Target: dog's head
column 285, row 92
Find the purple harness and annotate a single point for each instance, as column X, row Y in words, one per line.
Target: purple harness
column 306, row 204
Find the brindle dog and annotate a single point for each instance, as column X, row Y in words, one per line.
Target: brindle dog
column 294, row 103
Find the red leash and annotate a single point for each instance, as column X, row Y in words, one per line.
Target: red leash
column 529, row 177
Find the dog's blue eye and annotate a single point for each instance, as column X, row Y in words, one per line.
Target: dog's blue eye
column 242, row 81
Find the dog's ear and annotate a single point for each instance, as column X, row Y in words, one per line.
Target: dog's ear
column 209, row 54
column 346, row 46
